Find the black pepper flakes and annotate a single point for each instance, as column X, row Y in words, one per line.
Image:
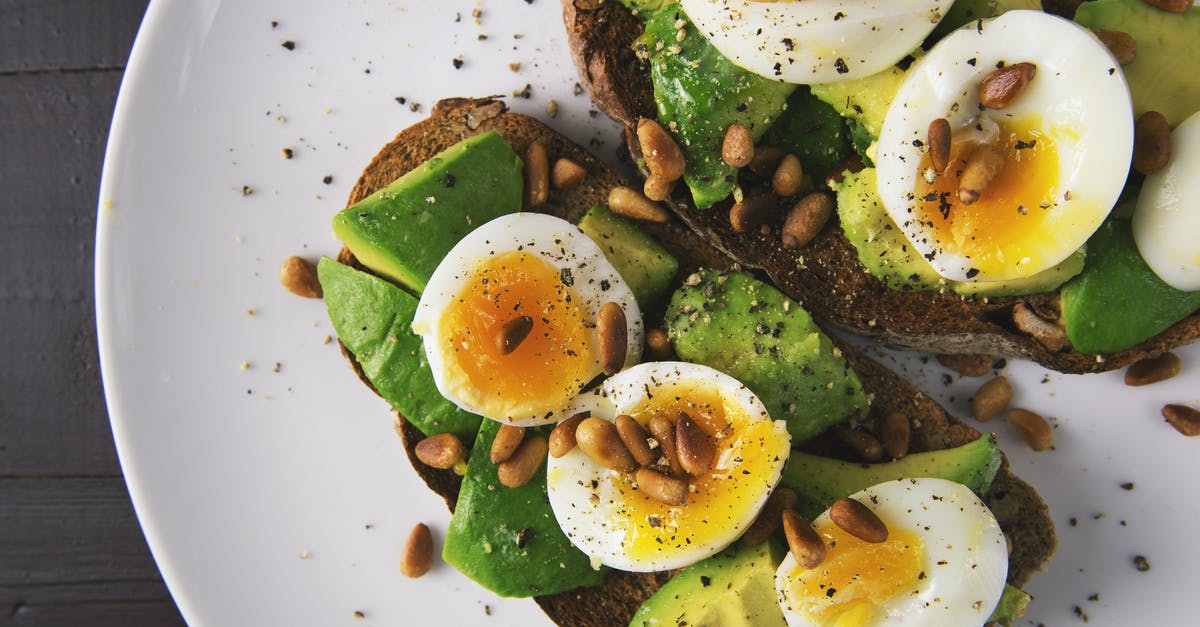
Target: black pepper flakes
column 840, row 66
column 1141, row 563
column 457, row 62
column 289, row 44
column 327, row 180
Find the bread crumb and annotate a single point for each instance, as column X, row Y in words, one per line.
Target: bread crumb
column 514, row 66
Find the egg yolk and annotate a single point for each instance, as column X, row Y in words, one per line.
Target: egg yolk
column 548, row 368
column 1003, row 228
column 721, row 499
column 857, row 577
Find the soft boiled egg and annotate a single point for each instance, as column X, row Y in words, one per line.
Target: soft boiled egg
column 531, row 270
column 607, row 516
column 1166, row 223
column 1066, row 142
column 815, row 41
column 943, row 564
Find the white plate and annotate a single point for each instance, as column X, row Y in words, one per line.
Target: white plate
column 284, row 497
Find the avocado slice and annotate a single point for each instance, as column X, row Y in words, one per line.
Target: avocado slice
column 507, row 539
column 1012, row 605
column 819, row 481
column 813, row 131
column 751, row 331
column 644, row 264
column 372, row 318
column 405, row 229
column 733, row 588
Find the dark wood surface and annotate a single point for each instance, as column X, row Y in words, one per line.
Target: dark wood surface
column 71, row 550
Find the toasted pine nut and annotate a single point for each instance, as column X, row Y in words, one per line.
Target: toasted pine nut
column 510, row 334
column 633, row 204
column 562, row 437
column 443, row 450
column 789, row 177
column 612, row 337
column 939, row 144
column 1032, row 428
column 1120, row 43
column 866, row 445
column 752, row 212
column 634, row 435
column 1171, row 6
column 658, row 345
column 299, row 276
column 599, row 439
column 694, row 446
column 858, row 520
column 524, row 463
column 1186, row 420
column 991, row 398
column 663, row 430
column 766, row 161
column 537, row 175
column 508, row 438
column 662, row 488
column 657, row 188
column 983, row 166
column 566, row 174
column 770, row 517
column 1047, row 333
column 417, row 558
column 805, row 544
column 895, row 434
column 737, row 149
column 1002, row 86
column 1153, row 369
column 806, row 219
column 1151, row 142
column 967, row 365
column 662, row 154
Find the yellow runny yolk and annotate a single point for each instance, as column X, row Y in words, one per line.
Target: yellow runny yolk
column 548, row 368
column 1003, row 227
column 857, row 577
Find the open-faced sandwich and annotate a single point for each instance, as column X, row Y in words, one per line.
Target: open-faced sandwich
column 972, row 177
column 633, row 430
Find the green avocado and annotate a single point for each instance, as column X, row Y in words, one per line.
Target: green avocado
column 372, row 318
column 819, row 481
column 865, row 99
column 644, row 264
column 1012, row 605
column 885, row 252
column 1118, row 301
column 734, row 588
column 751, row 331
column 699, row 94
column 507, row 539
column 966, row 11
column 403, row 230
column 813, row 131
column 1163, row 76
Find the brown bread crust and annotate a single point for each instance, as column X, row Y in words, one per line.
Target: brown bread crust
column 1021, row 512
column 826, row 276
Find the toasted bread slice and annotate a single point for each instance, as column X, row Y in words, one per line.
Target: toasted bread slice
column 826, row 276
column 1021, row 512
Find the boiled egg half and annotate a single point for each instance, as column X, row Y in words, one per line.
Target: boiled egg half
column 523, row 265
column 604, row 513
column 944, row 563
column 1065, row 141
column 1166, row 224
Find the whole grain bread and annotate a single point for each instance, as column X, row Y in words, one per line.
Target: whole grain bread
column 826, row 276
column 1021, row 512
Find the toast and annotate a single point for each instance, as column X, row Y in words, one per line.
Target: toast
column 1021, row 512
column 826, row 276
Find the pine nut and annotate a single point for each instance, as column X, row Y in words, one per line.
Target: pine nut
column 537, row 175
column 806, row 219
column 1151, row 142
column 991, row 398
column 967, row 365
column 658, row 345
column 1171, row 6
column 752, row 212
column 1186, row 420
column 695, row 448
column 663, row 430
column 662, row 488
column 867, row 446
column 895, row 434
column 524, row 463
column 299, row 276
column 1032, row 428
column 657, row 188
column 612, row 337
column 508, row 438
column 566, row 174
column 983, row 166
column 858, row 520
column 599, row 439
column 770, row 517
column 1121, row 44
column 510, row 334
column 633, row 204
column 766, row 161
column 443, row 450
column 804, row 543
column 635, row 437
column 1002, row 86
column 562, row 437
column 1153, row 369
column 1047, row 333
column 417, row 558
column 939, row 144
column 662, row 154
column 737, row 149
column 789, row 177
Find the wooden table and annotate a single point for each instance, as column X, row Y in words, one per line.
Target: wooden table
column 71, row 550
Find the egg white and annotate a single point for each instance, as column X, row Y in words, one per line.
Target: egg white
column 586, row 499
column 815, row 41
column 553, row 240
column 1080, row 95
column 1166, row 223
column 966, row 557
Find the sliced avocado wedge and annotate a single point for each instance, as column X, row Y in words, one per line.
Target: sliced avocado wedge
column 1012, row 605
column 372, row 318
column 644, row 264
